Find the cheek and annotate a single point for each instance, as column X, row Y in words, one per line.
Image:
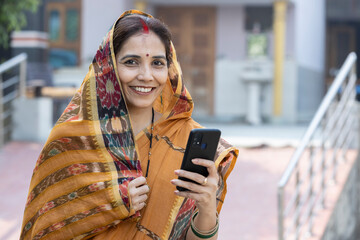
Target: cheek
column 162, row 77
column 124, row 75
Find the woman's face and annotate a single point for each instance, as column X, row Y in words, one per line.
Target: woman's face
column 142, row 69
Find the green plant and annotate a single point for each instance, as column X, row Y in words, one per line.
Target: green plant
column 12, row 17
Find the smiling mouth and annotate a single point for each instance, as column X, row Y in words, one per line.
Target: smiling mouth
column 143, row 89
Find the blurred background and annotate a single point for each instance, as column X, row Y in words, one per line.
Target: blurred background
column 257, row 69
column 250, row 61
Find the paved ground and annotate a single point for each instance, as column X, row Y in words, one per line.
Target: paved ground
column 251, row 136
column 17, row 160
column 250, row 208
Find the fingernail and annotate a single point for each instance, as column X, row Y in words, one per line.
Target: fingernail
column 177, row 172
column 195, row 160
column 173, row 181
column 176, row 192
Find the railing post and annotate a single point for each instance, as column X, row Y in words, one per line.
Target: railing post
column 357, row 112
column 297, row 203
column 2, row 127
column 323, row 161
column 311, row 189
column 22, row 84
column 281, row 212
column 334, row 152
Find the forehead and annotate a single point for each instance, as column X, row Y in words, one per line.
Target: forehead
column 143, row 42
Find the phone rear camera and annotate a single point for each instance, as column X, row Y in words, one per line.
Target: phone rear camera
column 197, row 139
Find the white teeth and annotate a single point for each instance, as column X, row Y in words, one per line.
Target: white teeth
column 142, row 89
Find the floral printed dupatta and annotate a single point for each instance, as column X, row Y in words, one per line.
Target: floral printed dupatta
column 79, row 184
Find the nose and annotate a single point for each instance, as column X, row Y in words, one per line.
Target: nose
column 145, row 73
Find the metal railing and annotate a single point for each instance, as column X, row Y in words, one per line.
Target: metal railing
column 302, row 190
column 12, row 86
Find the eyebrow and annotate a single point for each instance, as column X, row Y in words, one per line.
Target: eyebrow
column 160, row 56
column 130, row 56
column 137, row 56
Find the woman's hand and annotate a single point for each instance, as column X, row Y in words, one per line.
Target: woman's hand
column 138, row 190
column 203, row 193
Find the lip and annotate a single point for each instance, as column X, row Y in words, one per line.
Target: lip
column 142, row 93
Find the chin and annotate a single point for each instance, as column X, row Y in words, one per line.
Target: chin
column 142, row 105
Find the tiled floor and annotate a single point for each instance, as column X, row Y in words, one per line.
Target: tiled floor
column 250, row 208
column 249, row 211
column 17, row 160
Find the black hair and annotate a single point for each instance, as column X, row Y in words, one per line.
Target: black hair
column 129, row 25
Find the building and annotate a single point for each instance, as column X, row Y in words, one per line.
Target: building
column 343, row 33
column 224, row 47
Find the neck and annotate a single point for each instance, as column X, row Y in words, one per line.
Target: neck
column 140, row 118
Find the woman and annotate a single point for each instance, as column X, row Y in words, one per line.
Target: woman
column 110, row 166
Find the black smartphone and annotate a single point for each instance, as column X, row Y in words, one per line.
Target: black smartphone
column 202, row 143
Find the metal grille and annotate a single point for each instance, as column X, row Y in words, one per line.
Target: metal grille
column 303, row 188
column 12, row 86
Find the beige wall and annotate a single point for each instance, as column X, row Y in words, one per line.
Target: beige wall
column 230, row 32
column 97, row 18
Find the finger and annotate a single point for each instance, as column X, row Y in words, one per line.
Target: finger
column 210, row 165
column 144, row 189
column 193, row 187
column 137, row 188
column 142, row 205
column 139, row 206
column 194, row 196
column 136, row 192
column 138, row 181
column 140, row 199
column 190, row 175
column 143, row 198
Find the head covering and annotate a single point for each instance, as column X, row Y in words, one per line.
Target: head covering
column 79, row 184
column 95, row 137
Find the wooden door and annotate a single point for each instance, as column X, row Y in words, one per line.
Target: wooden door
column 341, row 41
column 193, row 31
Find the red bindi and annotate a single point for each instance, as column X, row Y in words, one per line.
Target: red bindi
column 147, row 54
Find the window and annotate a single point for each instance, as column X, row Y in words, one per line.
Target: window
column 54, row 25
column 72, row 24
column 64, row 32
column 259, row 18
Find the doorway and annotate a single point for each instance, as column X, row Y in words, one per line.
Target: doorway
column 342, row 38
column 193, row 32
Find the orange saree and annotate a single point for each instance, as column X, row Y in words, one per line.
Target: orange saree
column 79, row 184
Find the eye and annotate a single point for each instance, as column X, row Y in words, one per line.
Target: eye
column 130, row 62
column 159, row 63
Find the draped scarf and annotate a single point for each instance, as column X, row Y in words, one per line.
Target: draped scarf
column 79, row 185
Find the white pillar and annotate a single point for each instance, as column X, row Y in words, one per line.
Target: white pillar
column 253, row 110
column 33, row 119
